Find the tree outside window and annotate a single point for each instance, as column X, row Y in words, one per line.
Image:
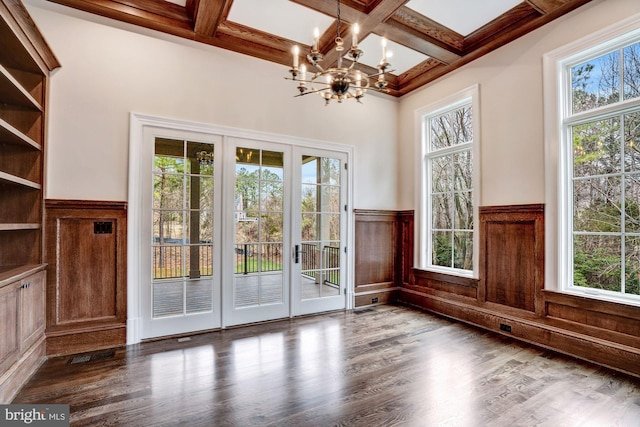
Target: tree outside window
column 449, row 165
column 604, row 171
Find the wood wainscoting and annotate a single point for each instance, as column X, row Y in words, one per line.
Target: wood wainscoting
column 383, row 254
column 509, row 296
column 86, row 284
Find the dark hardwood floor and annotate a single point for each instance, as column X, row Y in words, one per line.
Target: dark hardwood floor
column 381, row 366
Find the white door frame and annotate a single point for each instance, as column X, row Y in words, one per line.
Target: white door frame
column 136, row 198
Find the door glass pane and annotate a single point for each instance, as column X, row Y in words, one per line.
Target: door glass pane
column 320, row 222
column 259, row 224
column 182, row 227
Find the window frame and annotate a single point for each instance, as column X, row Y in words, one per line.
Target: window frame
column 558, row 121
column 468, row 96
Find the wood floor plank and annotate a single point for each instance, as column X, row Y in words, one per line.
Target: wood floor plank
column 380, row 366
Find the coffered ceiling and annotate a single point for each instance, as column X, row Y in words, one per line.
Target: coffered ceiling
column 427, row 38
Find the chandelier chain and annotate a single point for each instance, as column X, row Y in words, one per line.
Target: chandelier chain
column 338, row 26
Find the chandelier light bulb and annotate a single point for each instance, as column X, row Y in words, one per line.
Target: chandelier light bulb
column 354, row 35
column 383, row 42
column 296, row 52
column 316, row 36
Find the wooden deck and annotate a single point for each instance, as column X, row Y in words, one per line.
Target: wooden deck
column 381, row 366
column 250, row 290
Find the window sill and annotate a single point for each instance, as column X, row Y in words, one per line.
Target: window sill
column 603, row 296
column 449, row 277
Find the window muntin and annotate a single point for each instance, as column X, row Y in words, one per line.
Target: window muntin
column 449, row 183
column 182, row 237
column 602, row 134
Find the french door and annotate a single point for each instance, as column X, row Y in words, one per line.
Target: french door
column 181, row 292
column 240, row 231
column 289, row 231
column 257, row 254
column 319, row 224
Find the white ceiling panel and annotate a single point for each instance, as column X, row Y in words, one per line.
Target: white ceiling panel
column 462, row 16
column 280, row 17
column 266, row 29
column 400, row 57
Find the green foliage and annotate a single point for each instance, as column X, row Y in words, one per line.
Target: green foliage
column 254, row 266
column 596, row 268
column 442, row 250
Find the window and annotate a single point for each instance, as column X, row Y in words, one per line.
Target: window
column 448, row 197
column 598, row 167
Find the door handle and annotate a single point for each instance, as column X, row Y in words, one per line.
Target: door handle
column 297, row 254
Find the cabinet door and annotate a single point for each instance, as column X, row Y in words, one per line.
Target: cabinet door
column 32, row 314
column 8, row 327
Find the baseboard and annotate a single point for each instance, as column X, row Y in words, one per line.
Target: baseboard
column 83, row 341
column 17, row 376
column 380, row 296
column 611, row 354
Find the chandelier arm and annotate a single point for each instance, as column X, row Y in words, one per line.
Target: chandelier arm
column 374, row 88
column 299, row 80
column 382, row 73
column 310, row 92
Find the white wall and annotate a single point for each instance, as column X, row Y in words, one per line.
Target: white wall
column 110, row 69
column 511, row 107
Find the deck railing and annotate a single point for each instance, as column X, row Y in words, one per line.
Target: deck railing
column 321, row 265
column 249, row 258
column 258, row 257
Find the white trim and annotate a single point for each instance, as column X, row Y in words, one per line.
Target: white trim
column 138, row 123
column 470, row 94
column 556, row 104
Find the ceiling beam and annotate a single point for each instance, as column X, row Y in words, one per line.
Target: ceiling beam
column 207, row 16
column 432, row 30
column 167, row 17
column 546, row 6
column 249, row 41
column 502, row 27
column 486, row 44
column 391, row 19
column 206, row 21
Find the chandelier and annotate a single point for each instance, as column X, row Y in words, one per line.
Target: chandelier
column 205, row 158
column 339, row 82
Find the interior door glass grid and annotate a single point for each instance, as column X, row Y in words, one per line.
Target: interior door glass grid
column 259, row 219
column 182, row 246
column 321, row 207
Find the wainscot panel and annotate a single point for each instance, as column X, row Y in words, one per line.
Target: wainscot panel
column 509, row 296
column 86, row 289
column 381, row 264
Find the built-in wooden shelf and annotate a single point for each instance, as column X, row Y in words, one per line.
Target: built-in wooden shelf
column 12, row 92
column 12, row 179
column 26, row 62
column 13, row 273
column 20, row 226
column 10, row 134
